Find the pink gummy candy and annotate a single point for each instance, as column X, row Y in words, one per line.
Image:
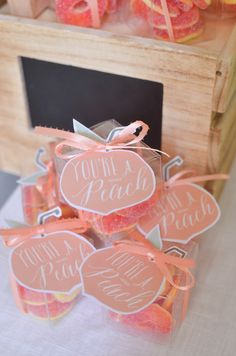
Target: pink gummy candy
column 122, row 219
column 154, row 318
column 51, row 311
column 35, row 298
column 139, row 210
column 87, row 216
column 79, row 12
column 184, row 5
column 108, row 224
column 113, row 223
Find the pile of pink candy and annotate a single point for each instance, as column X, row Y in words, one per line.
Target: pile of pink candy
column 162, row 229
column 175, row 20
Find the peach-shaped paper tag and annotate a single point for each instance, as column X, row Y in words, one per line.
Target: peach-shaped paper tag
column 50, row 263
column 106, row 181
column 183, row 212
column 123, row 281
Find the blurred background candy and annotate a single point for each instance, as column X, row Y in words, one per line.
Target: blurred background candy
column 223, row 8
column 86, row 13
column 178, row 21
column 181, row 21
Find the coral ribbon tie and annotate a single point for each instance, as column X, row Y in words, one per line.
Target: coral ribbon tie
column 93, row 5
column 161, row 260
column 167, row 17
column 124, row 139
column 178, row 179
column 13, row 237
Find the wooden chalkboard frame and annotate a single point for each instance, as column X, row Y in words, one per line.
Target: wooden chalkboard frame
column 189, row 76
column 57, row 93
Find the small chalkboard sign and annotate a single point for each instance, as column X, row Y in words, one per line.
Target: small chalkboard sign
column 58, row 93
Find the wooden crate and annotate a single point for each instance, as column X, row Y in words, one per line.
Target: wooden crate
column 28, row 8
column 199, row 80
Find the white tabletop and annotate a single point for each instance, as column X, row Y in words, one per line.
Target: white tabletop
column 209, row 329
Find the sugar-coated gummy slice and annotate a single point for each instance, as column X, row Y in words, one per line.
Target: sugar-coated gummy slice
column 52, row 311
column 35, row 298
column 182, row 35
column 112, row 6
column 32, row 203
column 138, row 210
column 154, row 318
column 67, row 211
column 17, row 294
column 113, row 223
column 31, row 214
column 147, row 8
column 202, row 4
column 229, row 7
column 31, row 196
column 133, row 212
column 166, row 288
column 184, row 5
column 229, row 2
column 78, row 12
column 167, row 304
column 88, row 216
column 140, row 9
column 141, row 209
column 122, row 219
column 185, row 20
column 65, row 298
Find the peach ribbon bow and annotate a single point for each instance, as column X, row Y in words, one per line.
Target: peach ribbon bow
column 124, row 139
column 161, row 259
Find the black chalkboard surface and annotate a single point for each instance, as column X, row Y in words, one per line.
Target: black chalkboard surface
column 58, row 93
